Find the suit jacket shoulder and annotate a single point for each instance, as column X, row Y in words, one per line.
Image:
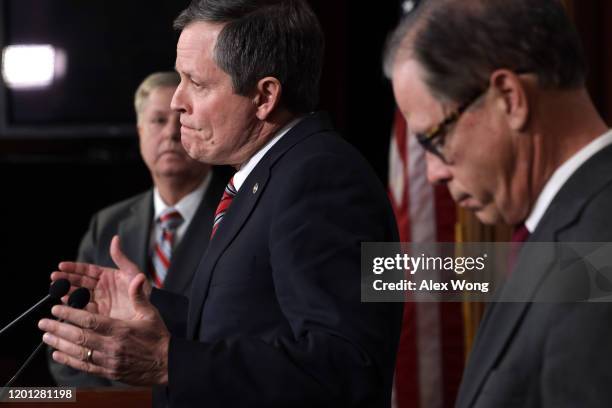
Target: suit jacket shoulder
column 106, row 223
column 278, row 290
column 551, row 353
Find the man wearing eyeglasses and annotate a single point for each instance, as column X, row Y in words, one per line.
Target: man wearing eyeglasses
column 494, row 90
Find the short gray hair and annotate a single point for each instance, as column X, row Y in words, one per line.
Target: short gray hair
column 459, row 43
column 278, row 38
column 151, row 82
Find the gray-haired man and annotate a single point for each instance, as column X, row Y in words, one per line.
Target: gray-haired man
column 181, row 186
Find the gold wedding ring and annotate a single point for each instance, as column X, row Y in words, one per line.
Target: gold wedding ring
column 89, row 356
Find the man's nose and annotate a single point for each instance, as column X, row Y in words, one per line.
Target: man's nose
column 173, row 128
column 437, row 170
column 179, row 102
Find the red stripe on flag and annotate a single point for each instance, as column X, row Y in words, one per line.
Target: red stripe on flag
column 400, row 208
column 407, row 368
column 409, row 377
column 451, row 314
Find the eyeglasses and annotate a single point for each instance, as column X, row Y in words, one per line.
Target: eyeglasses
column 433, row 139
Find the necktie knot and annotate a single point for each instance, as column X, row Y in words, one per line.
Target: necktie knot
column 520, row 234
column 230, row 190
column 170, row 220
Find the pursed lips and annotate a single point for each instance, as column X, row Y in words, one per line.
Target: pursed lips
column 184, row 125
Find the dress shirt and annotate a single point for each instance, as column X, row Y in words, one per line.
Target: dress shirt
column 187, row 207
column 561, row 175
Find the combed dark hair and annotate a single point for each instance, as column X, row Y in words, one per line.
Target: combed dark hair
column 459, row 43
column 278, row 38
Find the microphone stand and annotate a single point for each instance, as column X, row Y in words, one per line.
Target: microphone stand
column 24, row 314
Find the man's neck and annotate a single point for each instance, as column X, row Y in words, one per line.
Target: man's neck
column 266, row 132
column 173, row 189
column 575, row 123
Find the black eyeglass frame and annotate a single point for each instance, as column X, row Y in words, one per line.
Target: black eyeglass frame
column 428, row 138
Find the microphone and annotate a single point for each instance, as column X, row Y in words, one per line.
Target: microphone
column 56, row 291
column 78, row 299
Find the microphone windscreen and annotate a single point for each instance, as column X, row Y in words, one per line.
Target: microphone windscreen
column 79, row 298
column 59, row 288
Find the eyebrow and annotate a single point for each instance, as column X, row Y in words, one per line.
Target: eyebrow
column 189, row 76
column 181, row 72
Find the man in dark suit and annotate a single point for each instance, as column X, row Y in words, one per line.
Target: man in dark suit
column 179, row 182
column 495, row 92
column 275, row 317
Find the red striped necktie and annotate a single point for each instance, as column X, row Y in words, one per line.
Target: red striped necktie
column 169, row 221
column 228, row 195
column 519, row 236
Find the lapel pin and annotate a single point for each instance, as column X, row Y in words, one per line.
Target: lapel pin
column 255, row 187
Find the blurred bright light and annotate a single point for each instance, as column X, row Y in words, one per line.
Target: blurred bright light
column 31, row 66
column 408, row 6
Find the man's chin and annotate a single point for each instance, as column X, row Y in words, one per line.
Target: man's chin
column 174, row 171
column 487, row 216
column 197, row 155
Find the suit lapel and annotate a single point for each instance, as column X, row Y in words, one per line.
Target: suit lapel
column 501, row 319
column 241, row 208
column 237, row 214
column 188, row 253
column 134, row 231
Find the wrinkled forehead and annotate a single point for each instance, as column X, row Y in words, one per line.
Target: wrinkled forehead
column 413, row 97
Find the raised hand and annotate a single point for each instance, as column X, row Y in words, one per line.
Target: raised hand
column 108, row 286
column 133, row 350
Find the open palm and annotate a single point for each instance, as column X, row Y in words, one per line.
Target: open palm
column 108, row 286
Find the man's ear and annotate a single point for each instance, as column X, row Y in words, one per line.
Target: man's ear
column 267, row 97
column 513, row 99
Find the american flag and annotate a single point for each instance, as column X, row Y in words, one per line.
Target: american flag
column 430, row 358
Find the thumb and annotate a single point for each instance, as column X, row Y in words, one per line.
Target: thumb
column 138, row 295
column 120, row 259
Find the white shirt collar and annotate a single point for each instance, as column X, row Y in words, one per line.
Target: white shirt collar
column 561, row 175
column 187, row 206
column 248, row 166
